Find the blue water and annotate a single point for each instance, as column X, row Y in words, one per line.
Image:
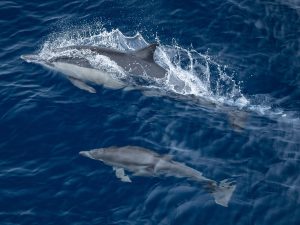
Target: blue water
column 237, row 117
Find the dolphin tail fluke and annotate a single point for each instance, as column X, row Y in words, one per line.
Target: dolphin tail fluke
column 222, row 193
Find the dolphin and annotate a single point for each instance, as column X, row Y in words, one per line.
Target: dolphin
column 144, row 162
column 79, row 70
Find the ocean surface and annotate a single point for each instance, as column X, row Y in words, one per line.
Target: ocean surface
column 229, row 107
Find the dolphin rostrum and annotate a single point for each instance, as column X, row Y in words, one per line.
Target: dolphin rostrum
column 144, row 162
column 79, row 70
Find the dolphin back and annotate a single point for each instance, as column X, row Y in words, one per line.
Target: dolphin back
column 138, row 62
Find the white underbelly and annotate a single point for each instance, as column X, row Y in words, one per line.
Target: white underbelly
column 89, row 74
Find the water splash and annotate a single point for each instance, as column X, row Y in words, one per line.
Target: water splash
column 196, row 74
column 190, row 73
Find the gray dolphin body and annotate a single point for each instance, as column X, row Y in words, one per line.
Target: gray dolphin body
column 79, row 70
column 144, row 162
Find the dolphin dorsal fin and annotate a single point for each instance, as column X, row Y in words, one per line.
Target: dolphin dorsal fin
column 147, row 52
column 167, row 157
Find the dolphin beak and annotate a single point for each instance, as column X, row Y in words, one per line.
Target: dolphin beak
column 31, row 58
column 86, row 154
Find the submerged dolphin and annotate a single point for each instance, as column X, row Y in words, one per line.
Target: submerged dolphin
column 143, row 162
column 79, row 70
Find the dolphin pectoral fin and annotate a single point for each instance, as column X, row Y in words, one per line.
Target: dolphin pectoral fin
column 120, row 173
column 167, row 157
column 129, row 88
column 81, row 85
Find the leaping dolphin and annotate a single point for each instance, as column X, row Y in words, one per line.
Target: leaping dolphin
column 80, row 71
column 144, row 162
